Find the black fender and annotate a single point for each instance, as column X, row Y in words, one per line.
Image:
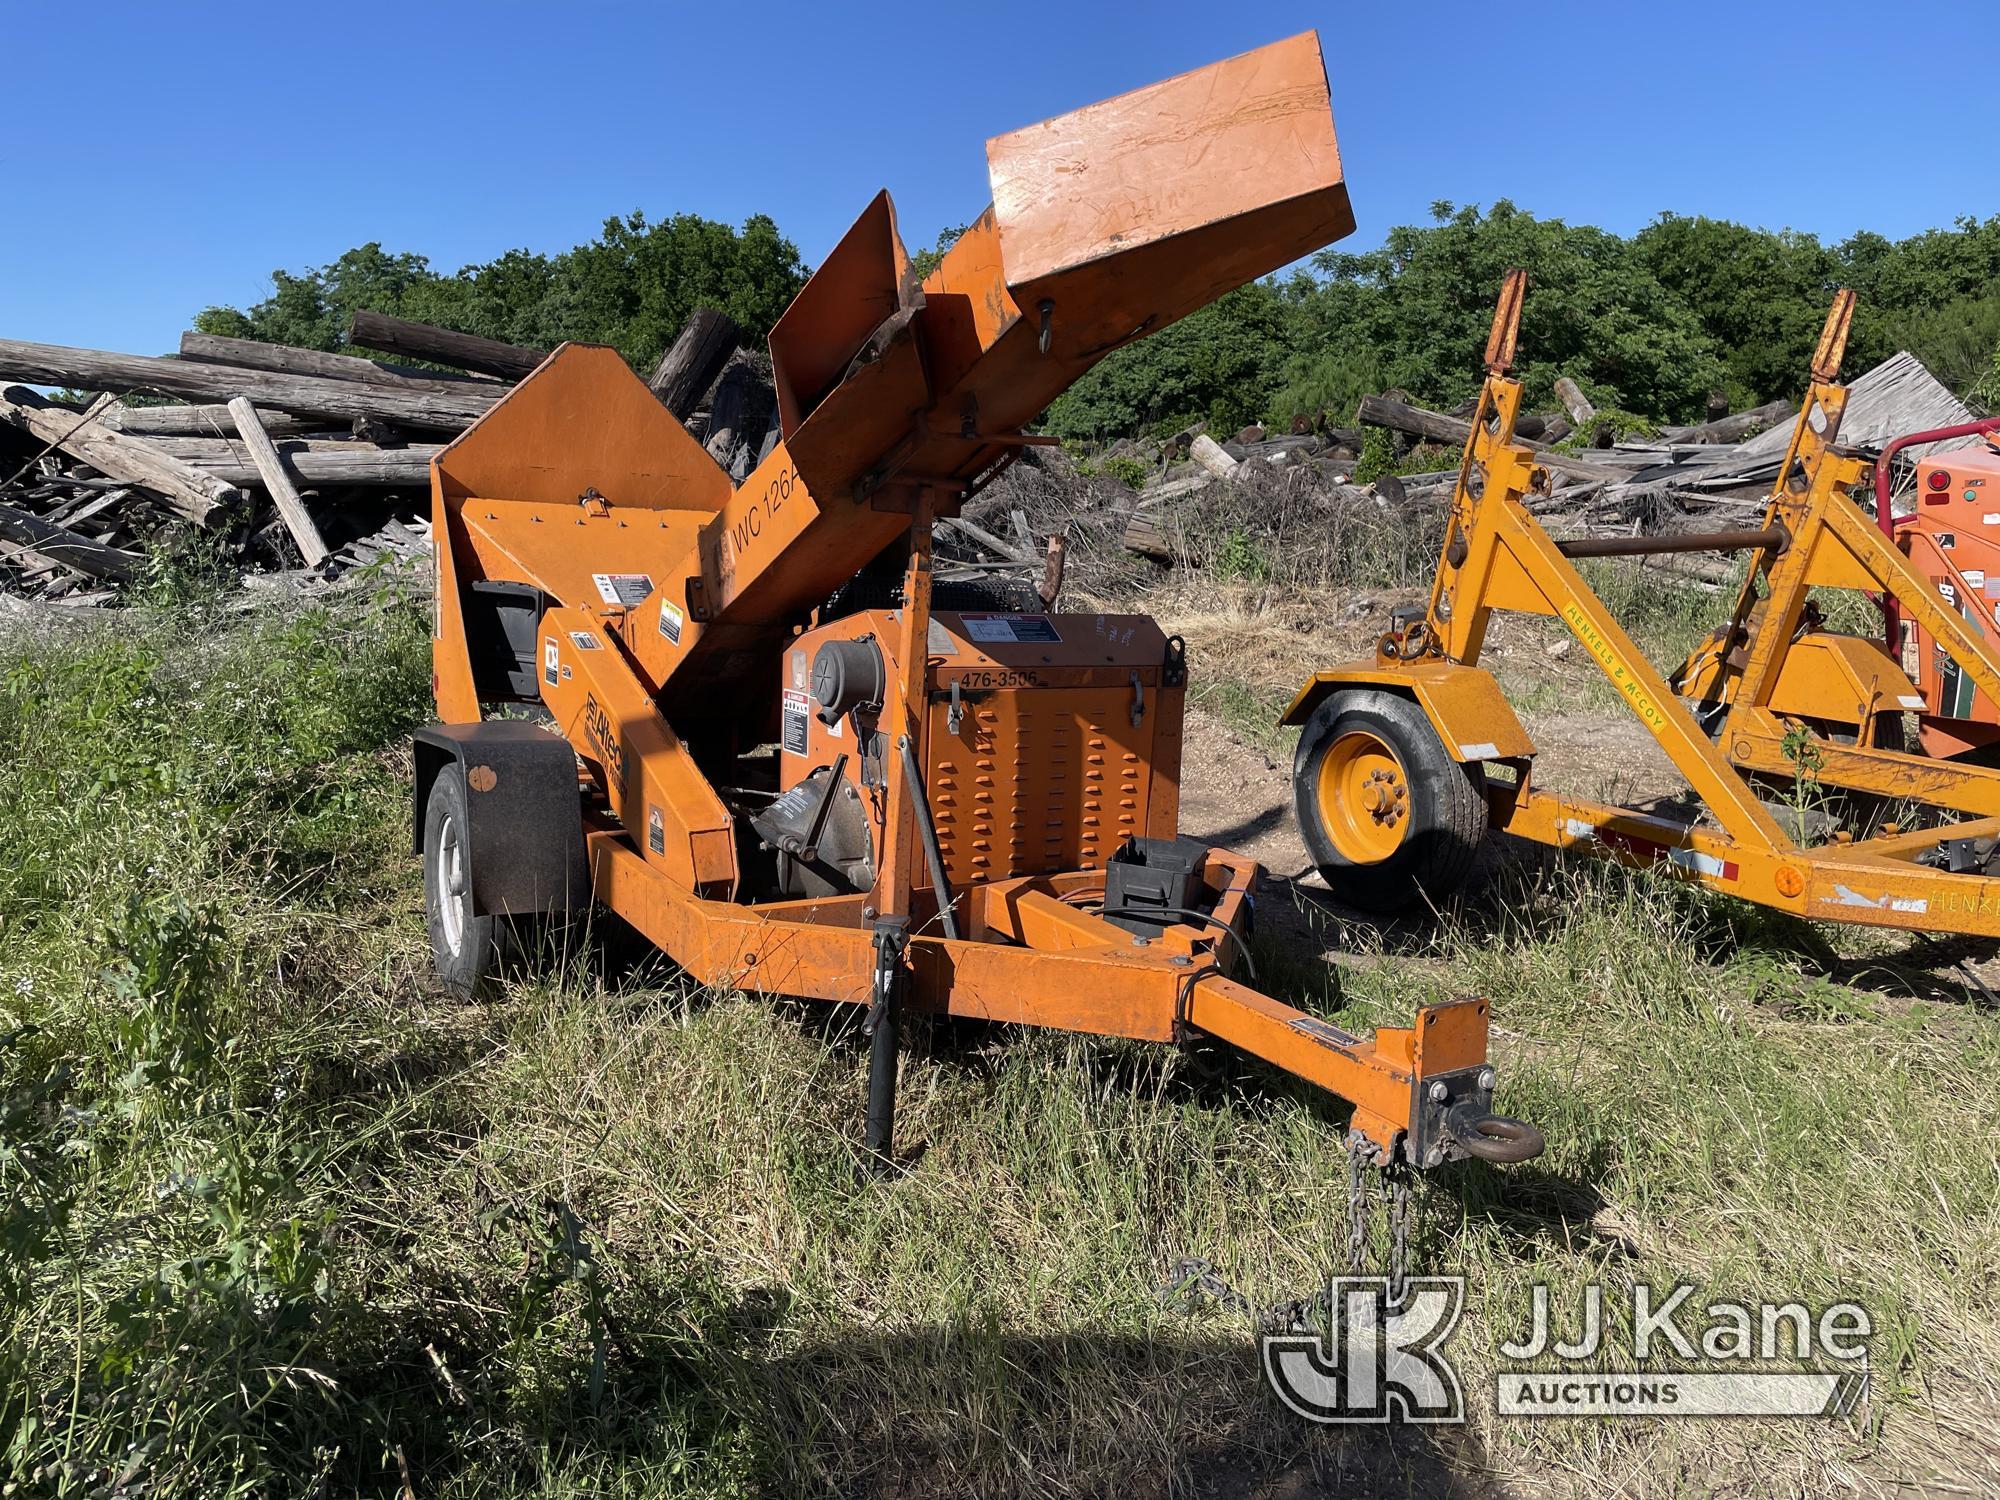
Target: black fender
column 525, row 844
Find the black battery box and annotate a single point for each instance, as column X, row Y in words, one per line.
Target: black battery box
column 1147, row 879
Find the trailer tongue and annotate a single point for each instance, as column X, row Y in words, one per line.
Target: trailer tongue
column 969, row 810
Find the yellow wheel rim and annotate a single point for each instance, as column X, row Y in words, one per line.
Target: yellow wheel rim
column 1364, row 798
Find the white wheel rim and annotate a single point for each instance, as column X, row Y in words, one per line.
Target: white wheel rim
column 451, row 885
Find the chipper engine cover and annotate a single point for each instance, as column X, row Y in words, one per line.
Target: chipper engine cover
column 1049, row 741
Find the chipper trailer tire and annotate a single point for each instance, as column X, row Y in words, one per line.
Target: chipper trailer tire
column 1768, row 692
column 893, row 802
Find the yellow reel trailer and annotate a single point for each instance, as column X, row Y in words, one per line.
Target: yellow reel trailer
column 1405, row 762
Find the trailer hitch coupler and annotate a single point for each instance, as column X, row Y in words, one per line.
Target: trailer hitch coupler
column 1496, row 1138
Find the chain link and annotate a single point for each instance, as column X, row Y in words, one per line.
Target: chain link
column 1194, row 1280
column 1357, row 1203
column 1399, row 1231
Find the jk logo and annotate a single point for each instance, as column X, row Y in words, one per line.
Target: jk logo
column 1378, row 1360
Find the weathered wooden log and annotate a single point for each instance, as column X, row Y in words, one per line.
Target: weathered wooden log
column 195, row 421
column 443, row 346
column 208, row 451
column 60, row 544
column 129, row 460
column 282, row 359
column 1575, row 402
column 328, row 463
column 99, row 370
column 298, row 520
column 1050, row 588
column 1399, row 416
column 1733, row 429
column 984, row 538
column 692, row 361
column 1207, row 452
column 1173, row 489
column 739, row 412
column 1144, row 535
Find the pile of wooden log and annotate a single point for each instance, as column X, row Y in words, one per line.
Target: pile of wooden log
column 289, row 458
column 1699, row 477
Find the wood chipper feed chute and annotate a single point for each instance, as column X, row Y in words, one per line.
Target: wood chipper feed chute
column 920, row 803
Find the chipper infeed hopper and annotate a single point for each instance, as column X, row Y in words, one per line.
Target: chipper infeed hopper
column 911, row 801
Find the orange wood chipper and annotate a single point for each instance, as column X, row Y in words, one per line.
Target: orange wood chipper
column 1406, row 761
column 917, row 801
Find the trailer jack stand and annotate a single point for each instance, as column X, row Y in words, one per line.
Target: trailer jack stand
column 892, row 937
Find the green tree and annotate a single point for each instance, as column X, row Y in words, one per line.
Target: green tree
column 1760, row 297
column 1424, row 303
column 926, row 261
column 311, row 309
column 632, row 287
column 1220, row 364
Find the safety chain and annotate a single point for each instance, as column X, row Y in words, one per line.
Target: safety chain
column 1400, row 1177
column 1194, row 1280
column 1357, row 1202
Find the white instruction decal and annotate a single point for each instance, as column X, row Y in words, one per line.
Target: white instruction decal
column 626, row 589
column 796, row 730
column 670, row 622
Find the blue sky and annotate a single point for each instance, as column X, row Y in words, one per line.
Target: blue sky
column 161, row 157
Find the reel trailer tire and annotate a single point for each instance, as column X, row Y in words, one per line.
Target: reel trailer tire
column 1387, row 815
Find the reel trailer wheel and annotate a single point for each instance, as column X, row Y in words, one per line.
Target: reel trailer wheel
column 1388, row 816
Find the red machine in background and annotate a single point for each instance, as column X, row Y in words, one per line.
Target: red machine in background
column 1953, row 538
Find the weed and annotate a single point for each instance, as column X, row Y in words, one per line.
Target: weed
column 1378, row 455
column 1241, row 559
column 1800, row 747
column 1130, row 472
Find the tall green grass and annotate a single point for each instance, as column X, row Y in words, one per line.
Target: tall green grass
column 278, row 1218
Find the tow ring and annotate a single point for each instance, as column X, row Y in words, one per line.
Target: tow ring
column 1496, row 1138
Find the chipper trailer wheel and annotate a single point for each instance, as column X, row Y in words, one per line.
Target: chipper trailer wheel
column 470, row 951
column 1388, row 816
